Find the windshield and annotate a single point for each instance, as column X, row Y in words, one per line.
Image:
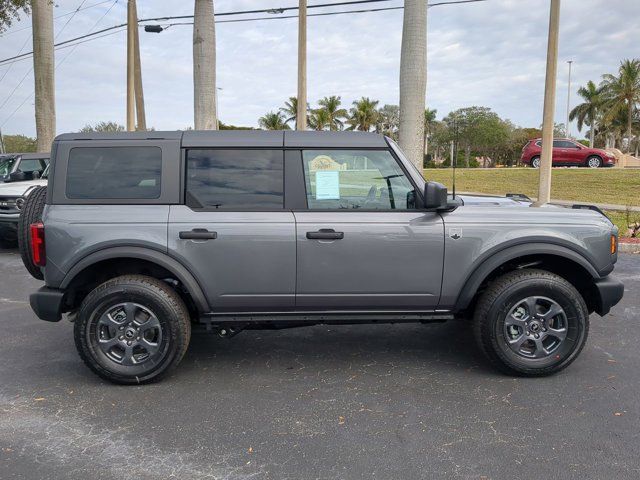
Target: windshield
column 6, row 164
column 45, row 174
column 399, row 152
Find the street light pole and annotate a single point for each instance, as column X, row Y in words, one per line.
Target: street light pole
column 544, row 185
column 569, row 99
column 131, row 25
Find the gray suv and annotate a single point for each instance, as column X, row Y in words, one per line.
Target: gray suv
column 142, row 237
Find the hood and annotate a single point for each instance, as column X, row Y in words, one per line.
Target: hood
column 511, row 200
column 19, row 189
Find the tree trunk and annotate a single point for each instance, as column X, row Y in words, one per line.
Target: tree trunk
column 467, row 155
column 629, row 123
column 413, row 80
column 204, row 66
column 592, row 133
column 43, row 72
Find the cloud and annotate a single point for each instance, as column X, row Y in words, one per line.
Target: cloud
column 490, row 53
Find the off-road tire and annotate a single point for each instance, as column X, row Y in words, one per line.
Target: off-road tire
column 151, row 293
column 498, row 299
column 31, row 213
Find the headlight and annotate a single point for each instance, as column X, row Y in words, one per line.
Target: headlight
column 19, row 203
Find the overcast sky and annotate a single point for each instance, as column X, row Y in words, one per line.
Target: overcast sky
column 490, row 53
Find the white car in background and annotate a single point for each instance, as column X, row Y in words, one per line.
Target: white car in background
column 12, row 196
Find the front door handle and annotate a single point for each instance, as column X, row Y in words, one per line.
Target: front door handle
column 198, row 234
column 325, row 234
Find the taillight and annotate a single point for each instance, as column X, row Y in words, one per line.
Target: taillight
column 37, row 244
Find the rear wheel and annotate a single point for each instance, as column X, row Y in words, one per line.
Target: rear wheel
column 535, row 162
column 132, row 329
column 594, row 162
column 531, row 323
column 31, row 213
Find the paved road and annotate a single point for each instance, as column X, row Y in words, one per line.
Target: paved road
column 387, row 402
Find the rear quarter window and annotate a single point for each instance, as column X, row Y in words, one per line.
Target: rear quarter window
column 114, row 173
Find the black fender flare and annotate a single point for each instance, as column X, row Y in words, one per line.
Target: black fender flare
column 493, row 260
column 161, row 259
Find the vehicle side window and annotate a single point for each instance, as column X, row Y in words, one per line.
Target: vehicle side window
column 114, row 173
column 235, row 179
column 356, row 179
column 563, row 144
column 31, row 165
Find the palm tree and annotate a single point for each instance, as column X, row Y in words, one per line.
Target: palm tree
column 273, row 121
column 290, row 111
column 331, row 105
column 586, row 112
column 204, row 66
column 388, row 120
column 320, row 119
column 429, row 123
column 43, row 71
column 413, row 80
column 363, row 114
column 622, row 93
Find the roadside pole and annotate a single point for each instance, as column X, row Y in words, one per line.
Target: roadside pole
column 544, row 185
column 569, row 98
column 301, row 114
column 131, row 24
column 141, row 123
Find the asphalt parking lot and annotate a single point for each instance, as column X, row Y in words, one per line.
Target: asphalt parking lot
column 353, row 402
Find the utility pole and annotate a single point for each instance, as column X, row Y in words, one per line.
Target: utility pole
column 137, row 72
column 43, row 72
column 132, row 24
column 569, row 99
column 301, row 116
column 2, row 150
column 544, row 185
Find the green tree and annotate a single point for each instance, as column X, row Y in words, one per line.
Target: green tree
column 273, row 121
column 335, row 114
column 622, row 93
column 19, row 144
column 103, row 127
column 363, row 115
column 388, row 121
column 587, row 111
column 10, row 11
column 429, row 122
column 320, row 119
column 290, row 111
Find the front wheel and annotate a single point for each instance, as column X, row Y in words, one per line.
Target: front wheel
column 594, row 162
column 535, row 162
column 531, row 323
column 132, row 329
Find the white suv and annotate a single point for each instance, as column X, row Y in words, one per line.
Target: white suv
column 12, row 196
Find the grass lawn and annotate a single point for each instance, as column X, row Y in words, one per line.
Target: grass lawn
column 617, row 186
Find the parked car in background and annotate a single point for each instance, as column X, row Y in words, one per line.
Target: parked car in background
column 13, row 195
column 17, row 167
column 567, row 153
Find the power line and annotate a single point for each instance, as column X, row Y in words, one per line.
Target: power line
column 72, row 12
column 276, row 10
column 62, row 61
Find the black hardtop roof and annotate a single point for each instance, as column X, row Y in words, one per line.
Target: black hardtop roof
column 245, row 138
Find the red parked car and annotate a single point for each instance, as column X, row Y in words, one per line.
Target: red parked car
column 567, row 153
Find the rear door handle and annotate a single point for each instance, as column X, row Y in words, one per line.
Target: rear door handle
column 325, row 234
column 198, row 234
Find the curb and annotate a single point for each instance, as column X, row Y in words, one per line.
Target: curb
column 628, row 247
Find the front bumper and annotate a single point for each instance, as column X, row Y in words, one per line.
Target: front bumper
column 609, row 292
column 10, row 218
column 47, row 303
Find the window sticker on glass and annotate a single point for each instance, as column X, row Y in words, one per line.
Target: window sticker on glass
column 327, row 185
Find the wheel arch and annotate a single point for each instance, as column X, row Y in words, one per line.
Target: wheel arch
column 104, row 264
column 558, row 259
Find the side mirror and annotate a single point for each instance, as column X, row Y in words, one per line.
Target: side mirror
column 435, row 196
column 16, row 176
column 35, row 175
